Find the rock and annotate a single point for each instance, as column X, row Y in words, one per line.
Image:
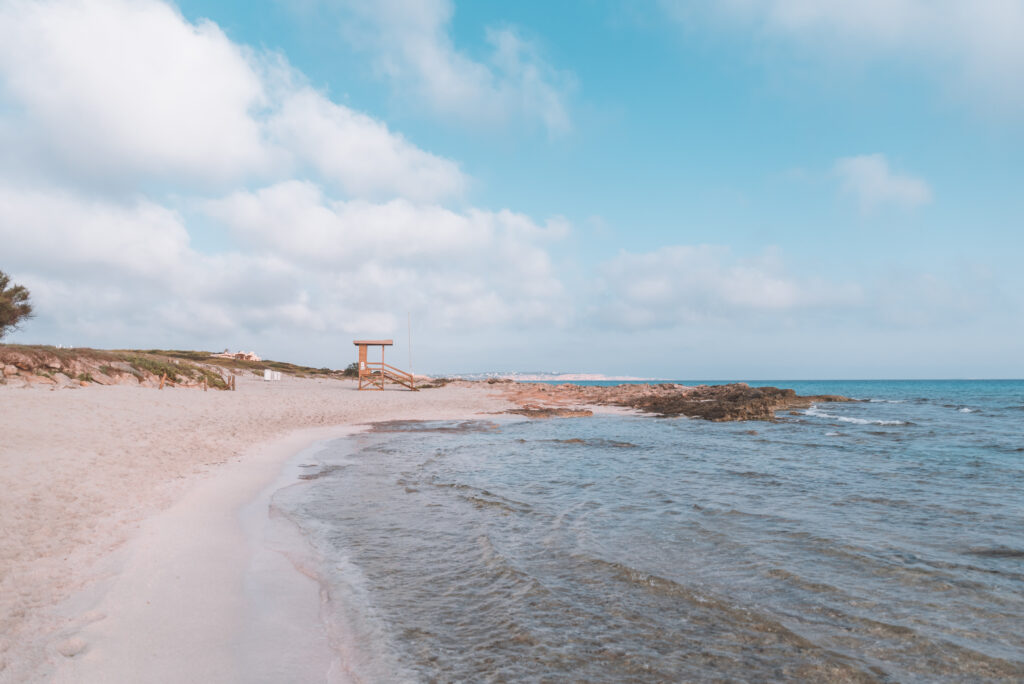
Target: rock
column 10, row 370
column 720, row 402
column 737, row 401
column 550, row 412
column 22, row 361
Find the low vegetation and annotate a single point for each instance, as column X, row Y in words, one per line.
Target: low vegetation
column 208, row 358
column 103, row 366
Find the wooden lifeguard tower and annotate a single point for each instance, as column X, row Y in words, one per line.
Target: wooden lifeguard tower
column 373, row 374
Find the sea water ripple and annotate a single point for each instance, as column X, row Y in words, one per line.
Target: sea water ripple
column 873, row 541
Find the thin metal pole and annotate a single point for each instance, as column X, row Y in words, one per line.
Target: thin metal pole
column 408, row 327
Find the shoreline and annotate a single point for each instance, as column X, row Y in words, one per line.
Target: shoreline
column 105, row 487
column 89, row 471
column 203, row 592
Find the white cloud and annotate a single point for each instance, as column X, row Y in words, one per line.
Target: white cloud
column 57, row 231
column 118, row 92
column 869, row 179
column 474, row 268
column 301, row 263
column 975, row 45
column 360, row 155
column 117, row 111
column 412, row 46
column 92, row 263
column 683, row 284
column 130, row 87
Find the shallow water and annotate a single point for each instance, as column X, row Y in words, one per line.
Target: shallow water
column 875, row 541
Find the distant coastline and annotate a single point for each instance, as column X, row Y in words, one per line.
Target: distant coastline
column 553, row 377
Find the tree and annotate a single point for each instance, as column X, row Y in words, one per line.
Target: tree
column 14, row 305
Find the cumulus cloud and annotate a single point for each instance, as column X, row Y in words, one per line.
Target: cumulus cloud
column 474, row 267
column 978, row 44
column 683, row 284
column 130, row 86
column 872, row 183
column 92, row 263
column 106, row 91
column 359, row 154
column 123, row 120
column 302, row 262
column 412, row 46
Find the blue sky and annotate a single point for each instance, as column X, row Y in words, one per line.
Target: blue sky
column 745, row 189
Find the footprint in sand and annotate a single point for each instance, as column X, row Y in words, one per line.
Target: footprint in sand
column 71, row 647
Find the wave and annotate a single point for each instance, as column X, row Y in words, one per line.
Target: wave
column 864, row 421
column 818, row 413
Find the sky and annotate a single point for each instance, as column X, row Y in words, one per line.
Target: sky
column 744, row 189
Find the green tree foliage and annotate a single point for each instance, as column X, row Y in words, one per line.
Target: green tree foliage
column 14, row 305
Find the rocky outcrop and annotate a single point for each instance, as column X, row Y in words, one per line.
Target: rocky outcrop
column 726, row 402
column 737, row 401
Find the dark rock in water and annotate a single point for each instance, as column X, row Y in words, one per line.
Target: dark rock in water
column 550, row 412
column 997, row 552
column 738, row 401
column 726, row 402
column 718, row 403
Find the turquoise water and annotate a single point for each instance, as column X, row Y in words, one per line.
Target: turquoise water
column 875, row 541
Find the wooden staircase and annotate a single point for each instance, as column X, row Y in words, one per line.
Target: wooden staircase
column 377, row 373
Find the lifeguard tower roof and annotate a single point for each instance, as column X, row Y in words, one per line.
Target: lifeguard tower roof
column 374, row 343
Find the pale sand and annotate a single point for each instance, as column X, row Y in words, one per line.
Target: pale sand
column 183, row 476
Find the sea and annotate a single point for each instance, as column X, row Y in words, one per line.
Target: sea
column 880, row 540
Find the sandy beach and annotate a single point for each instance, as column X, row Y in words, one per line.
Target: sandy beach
column 129, row 516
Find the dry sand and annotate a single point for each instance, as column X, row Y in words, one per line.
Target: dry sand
column 127, row 517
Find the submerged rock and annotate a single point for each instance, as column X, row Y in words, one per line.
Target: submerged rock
column 550, row 412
